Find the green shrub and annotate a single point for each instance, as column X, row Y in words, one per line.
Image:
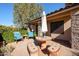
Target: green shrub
column 8, row 33
column 9, row 37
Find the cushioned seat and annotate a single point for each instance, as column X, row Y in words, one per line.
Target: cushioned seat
column 17, row 36
column 30, row 34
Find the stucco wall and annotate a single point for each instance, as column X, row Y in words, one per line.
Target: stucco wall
column 67, row 29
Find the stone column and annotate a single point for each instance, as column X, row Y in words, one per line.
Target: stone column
column 75, row 30
column 39, row 30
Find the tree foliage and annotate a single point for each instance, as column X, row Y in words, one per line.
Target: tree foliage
column 25, row 12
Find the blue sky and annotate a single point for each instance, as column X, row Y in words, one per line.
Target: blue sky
column 6, row 11
column 50, row 7
column 6, row 14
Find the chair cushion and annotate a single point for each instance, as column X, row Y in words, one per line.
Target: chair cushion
column 17, row 36
column 30, row 34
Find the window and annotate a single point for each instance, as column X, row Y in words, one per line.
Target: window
column 56, row 25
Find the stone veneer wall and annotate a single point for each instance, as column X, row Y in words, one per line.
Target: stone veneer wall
column 75, row 30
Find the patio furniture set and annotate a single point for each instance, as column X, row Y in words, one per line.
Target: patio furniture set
column 38, row 46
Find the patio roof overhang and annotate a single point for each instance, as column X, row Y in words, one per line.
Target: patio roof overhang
column 58, row 14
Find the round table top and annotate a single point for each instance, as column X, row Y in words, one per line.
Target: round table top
column 43, row 39
column 54, row 48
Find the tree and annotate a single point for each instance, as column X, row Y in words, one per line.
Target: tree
column 24, row 13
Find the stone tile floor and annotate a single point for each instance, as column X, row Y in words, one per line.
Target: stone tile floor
column 22, row 50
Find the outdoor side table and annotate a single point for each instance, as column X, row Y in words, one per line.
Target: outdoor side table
column 25, row 36
column 42, row 41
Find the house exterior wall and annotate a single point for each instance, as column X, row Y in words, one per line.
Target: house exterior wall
column 67, row 29
column 66, row 17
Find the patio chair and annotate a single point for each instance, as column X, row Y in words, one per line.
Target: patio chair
column 17, row 36
column 30, row 34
